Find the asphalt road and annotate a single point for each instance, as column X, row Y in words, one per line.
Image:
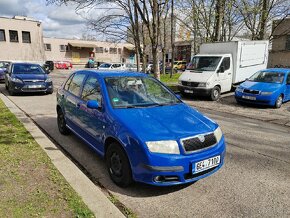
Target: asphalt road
column 254, row 182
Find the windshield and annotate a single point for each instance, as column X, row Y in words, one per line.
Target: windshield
column 267, row 77
column 27, row 69
column 105, row 65
column 204, row 63
column 130, row 92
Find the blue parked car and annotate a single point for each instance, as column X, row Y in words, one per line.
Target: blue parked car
column 267, row 87
column 141, row 128
column 27, row 77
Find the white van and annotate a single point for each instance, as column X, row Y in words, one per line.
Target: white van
column 221, row 65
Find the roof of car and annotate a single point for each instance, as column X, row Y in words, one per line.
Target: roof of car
column 104, row 73
column 278, row 70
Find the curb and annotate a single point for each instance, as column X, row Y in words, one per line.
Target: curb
column 92, row 195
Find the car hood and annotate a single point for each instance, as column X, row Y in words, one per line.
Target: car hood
column 260, row 86
column 196, row 76
column 164, row 122
column 31, row 76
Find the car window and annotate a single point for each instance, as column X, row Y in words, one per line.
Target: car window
column 75, row 85
column 288, row 79
column 116, row 65
column 66, row 86
column 27, row 69
column 226, row 63
column 105, row 65
column 92, row 90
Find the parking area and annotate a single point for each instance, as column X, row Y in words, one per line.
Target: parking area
column 254, row 182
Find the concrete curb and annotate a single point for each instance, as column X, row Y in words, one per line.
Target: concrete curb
column 92, row 195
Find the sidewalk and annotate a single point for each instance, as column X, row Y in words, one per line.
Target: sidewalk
column 92, row 195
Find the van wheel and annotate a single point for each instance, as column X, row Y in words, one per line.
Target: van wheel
column 118, row 165
column 215, row 93
column 279, row 101
column 61, row 123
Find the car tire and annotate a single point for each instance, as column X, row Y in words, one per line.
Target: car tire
column 118, row 165
column 279, row 101
column 10, row 90
column 61, row 123
column 6, row 86
column 215, row 93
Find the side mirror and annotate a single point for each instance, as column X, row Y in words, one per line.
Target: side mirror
column 93, row 104
column 222, row 69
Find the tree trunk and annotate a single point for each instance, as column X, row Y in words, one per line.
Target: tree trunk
column 172, row 38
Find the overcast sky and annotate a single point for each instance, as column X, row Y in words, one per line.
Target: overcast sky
column 57, row 21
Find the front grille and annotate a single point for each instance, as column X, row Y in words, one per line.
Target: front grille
column 197, row 143
column 191, row 84
column 33, row 81
column 255, row 92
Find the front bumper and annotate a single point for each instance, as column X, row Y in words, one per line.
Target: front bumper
column 194, row 90
column 177, row 169
column 255, row 99
column 31, row 87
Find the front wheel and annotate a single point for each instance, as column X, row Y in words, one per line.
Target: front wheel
column 279, row 101
column 118, row 165
column 215, row 93
column 10, row 90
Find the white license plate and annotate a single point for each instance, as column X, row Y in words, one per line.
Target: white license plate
column 206, row 164
column 34, row 86
column 188, row 91
column 249, row 97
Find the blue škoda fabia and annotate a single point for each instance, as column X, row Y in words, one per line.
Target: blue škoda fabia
column 267, row 87
column 143, row 130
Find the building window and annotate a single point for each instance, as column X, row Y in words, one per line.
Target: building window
column 47, row 47
column 99, row 50
column 13, row 35
column 2, row 35
column 106, row 50
column 113, row 50
column 63, row 48
column 119, row 50
column 287, row 47
column 26, row 37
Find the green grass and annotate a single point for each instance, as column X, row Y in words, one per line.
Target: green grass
column 165, row 78
column 30, row 186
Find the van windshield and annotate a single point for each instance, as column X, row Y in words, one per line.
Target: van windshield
column 200, row 63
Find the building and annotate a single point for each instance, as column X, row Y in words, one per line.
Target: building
column 280, row 53
column 21, row 39
column 79, row 51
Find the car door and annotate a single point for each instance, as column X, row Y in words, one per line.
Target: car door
column 288, row 87
column 92, row 120
column 225, row 74
column 71, row 98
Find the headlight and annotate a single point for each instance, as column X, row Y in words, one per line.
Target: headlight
column 16, row 80
column 48, row 80
column 218, row 134
column 266, row 93
column 165, row 147
column 239, row 89
column 201, row 84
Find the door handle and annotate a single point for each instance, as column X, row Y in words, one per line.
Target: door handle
column 229, row 73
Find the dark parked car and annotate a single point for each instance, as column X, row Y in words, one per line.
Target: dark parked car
column 144, row 131
column 49, row 65
column 27, row 77
column 3, row 67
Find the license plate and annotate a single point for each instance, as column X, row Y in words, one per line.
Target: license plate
column 34, row 86
column 248, row 97
column 206, row 164
column 188, row 91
